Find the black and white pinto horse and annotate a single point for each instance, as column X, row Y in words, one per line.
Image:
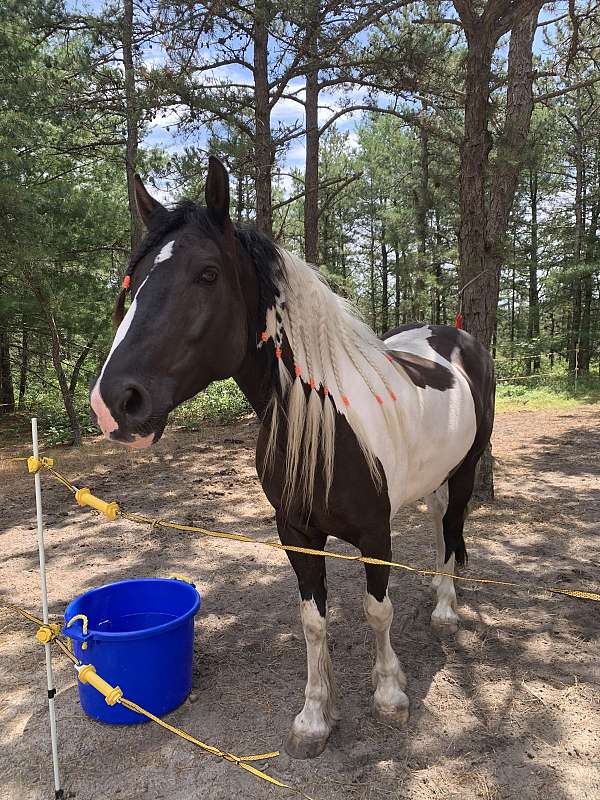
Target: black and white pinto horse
column 353, row 427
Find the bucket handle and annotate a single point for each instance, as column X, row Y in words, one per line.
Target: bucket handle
column 74, row 634
column 183, row 579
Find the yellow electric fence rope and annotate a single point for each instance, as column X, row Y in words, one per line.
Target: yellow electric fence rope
column 113, row 694
column 114, row 511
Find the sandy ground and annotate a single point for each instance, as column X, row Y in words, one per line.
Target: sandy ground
column 508, row 708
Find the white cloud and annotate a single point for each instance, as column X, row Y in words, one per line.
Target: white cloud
column 296, row 155
column 170, row 115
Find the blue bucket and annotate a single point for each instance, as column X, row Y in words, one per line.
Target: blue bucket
column 140, row 637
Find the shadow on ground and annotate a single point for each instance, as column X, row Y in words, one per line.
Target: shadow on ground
column 508, row 708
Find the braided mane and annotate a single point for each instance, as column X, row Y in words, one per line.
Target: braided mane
column 332, row 349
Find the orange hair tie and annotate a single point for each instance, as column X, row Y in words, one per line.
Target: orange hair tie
column 325, row 391
column 392, row 395
column 379, row 399
column 264, row 337
column 126, row 282
column 312, row 384
column 389, row 357
column 345, row 400
column 278, row 352
column 298, row 371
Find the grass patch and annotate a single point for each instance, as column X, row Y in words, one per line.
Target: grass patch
column 547, row 392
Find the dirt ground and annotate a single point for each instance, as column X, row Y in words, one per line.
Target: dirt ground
column 508, row 708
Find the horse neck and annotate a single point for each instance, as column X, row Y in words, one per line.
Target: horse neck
column 254, row 375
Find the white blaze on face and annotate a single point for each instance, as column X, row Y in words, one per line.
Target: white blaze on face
column 106, row 421
column 165, row 253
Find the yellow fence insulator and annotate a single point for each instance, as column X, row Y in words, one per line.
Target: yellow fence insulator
column 47, row 633
column 87, row 674
column 85, row 498
column 35, row 464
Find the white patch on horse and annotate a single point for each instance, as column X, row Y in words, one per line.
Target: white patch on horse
column 417, row 435
column 318, row 715
column 388, row 679
column 105, row 419
column 165, row 253
column 444, row 613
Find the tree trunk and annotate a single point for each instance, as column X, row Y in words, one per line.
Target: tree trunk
column 533, row 319
column 79, row 364
column 422, row 207
column 483, row 223
column 311, row 173
column 585, row 348
column 67, row 397
column 406, row 282
column 437, row 269
column 131, row 113
column 576, row 293
column 398, row 278
column 552, row 340
column 479, row 287
column 263, row 143
column 7, row 393
column 513, row 293
column 372, row 270
column 23, row 372
column 384, row 280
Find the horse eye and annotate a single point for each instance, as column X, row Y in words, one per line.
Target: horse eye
column 209, row 275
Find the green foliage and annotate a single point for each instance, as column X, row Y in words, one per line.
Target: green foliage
column 221, row 402
column 547, row 391
column 389, row 182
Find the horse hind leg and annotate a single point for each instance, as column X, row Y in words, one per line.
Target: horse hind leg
column 444, row 617
column 390, row 701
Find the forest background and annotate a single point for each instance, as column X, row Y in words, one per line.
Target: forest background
column 430, row 157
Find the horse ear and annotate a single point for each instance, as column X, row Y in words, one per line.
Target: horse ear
column 216, row 192
column 148, row 207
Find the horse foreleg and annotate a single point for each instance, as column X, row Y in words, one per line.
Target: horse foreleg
column 312, row 726
column 390, row 702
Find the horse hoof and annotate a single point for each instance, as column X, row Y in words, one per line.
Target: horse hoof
column 444, row 626
column 305, row 746
column 395, row 716
column 444, row 619
column 400, row 677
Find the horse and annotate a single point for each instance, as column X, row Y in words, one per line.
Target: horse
column 352, row 427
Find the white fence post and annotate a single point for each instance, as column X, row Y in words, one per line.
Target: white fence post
column 58, row 792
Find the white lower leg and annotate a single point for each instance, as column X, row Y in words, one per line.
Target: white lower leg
column 445, row 610
column 388, row 678
column 318, row 715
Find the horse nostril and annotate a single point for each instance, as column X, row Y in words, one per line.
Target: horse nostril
column 135, row 403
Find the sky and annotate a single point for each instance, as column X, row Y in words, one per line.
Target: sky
column 163, row 131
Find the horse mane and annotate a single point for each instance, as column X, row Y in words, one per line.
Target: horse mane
column 332, row 350
column 331, row 347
